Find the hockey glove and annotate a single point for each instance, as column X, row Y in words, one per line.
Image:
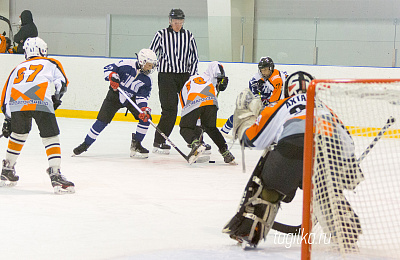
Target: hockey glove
column 56, row 102
column 6, row 127
column 146, row 114
column 260, row 85
column 114, row 80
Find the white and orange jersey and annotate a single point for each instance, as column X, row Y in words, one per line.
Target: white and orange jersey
column 29, row 86
column 278, row 120
column 272, row 89
column 197, row 92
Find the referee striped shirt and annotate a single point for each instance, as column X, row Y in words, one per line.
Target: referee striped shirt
column 177, row 51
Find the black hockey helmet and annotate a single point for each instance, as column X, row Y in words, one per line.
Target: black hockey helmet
column 297, row 83
column 222, row 80
column 176, row 14
column 266, row 62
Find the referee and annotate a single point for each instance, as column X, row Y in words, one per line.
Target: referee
column 178, row 60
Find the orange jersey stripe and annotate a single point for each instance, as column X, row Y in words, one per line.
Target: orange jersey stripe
column 266, row 115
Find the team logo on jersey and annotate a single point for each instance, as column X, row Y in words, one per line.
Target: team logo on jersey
column 275, row 77
column 258, row 119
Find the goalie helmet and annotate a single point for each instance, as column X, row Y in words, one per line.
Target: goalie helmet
column 35, row 47
column 266, row 62
column 176, row 14
column 147, row 56
column 297, row 83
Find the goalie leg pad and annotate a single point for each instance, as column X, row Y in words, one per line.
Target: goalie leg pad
column 339, row 219
column 255, row 215
column 255, row 223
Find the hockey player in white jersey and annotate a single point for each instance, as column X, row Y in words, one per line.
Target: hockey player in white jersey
column 279, row 129
column 133, row 78
column 278, row 174
column 199, row 100
column 27, row 94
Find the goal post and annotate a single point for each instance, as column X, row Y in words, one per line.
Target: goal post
column 351, row 175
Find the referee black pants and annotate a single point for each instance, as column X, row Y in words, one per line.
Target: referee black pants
column 169, row 86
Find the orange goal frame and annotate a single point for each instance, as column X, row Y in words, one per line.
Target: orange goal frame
column 308, row 156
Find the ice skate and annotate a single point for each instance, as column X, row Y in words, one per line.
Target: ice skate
column 137, row 150
column 228, row 157
column 208, row 148
column 162, row 148
column 198, row 149
column 60, row 184
column 80, row 149
column 8, row 177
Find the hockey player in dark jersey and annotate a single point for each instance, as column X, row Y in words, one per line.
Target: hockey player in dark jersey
column 132, row 78
column 267, row 84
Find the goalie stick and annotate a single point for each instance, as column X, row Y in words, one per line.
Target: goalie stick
column 297, row 229
column 160, row 132
column 388, row 124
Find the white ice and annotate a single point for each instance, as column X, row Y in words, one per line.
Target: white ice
column 124, row 208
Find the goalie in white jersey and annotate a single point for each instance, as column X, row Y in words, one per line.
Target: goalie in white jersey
column 34, row 90
column 279, row 129
column 199, row 100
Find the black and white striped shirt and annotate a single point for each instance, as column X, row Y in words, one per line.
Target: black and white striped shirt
column 177, row 51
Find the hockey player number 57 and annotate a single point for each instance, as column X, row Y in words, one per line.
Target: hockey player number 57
column 21, row 73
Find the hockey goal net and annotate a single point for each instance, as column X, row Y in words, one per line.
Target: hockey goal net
column 351, row 204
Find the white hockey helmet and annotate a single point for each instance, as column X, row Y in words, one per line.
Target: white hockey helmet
column 297, row 83
column 35, row 47
column 147, row 56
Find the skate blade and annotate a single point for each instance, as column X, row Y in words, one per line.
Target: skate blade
column 246, row 245
column 233, row 162
column 7, row 183
column 160, row 151
column 198, row 153
column 60, row 190
column 203, row 159
column 139, row 155
column 207, row 152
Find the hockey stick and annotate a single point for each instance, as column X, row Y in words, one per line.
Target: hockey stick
column 388, row 124
column 157, row 129
column 296, row 229
column 9, row 25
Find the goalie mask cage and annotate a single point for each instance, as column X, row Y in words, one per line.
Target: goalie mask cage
column 351, row 203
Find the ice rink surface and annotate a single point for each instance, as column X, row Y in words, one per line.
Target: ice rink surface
column 125, row 208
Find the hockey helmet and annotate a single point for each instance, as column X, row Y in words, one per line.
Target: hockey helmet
column 297, row 83
column 35, row 47
column 176, row 14
column 266, row 62
column 147, row 56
